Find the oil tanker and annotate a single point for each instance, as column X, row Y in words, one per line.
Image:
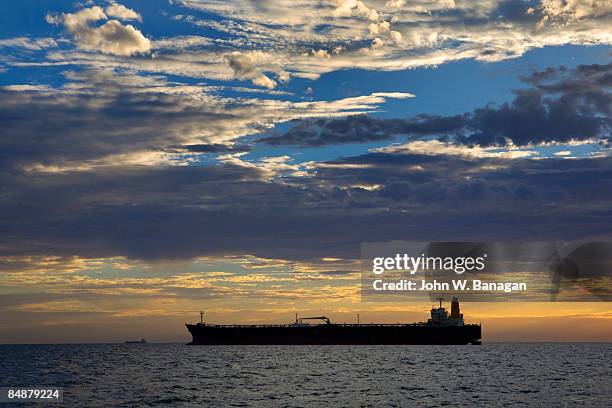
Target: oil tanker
column 441, row 328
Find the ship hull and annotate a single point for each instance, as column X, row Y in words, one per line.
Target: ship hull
column 334, row 334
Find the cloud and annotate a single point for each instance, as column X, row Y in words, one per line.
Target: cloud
column 111, row 162
column 32, row 44
column 226, row 209
column 396, row 35
column 347, row 8
column 383, row 29
column 561, row 105
column 104, row 119
column 213, row 148
column 576, row 9
column 94, row 159
column 435, row 148
column 361, row 129
column 576, row 105
column 26, row 88
column 264, row 81
column 246, row 65
column 395, row 3
column 268, row 42
column 251, row 65
column 112, row 37
column 121, row 12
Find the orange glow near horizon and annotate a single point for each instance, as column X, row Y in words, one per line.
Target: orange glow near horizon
column 108, row 300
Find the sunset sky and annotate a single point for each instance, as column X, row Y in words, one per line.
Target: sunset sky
column 159, row 157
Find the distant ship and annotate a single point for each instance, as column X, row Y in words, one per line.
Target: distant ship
column 141, row 341
column 441, row 328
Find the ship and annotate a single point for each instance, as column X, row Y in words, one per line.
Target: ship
column 441, row 328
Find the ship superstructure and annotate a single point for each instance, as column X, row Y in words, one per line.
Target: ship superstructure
column 441, row 318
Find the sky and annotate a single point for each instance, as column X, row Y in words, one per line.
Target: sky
column 159, row 157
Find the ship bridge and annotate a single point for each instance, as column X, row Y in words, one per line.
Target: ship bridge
column 440, row 317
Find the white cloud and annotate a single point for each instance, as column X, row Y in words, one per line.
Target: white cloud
column 32, row 44
column 435, row 147
column 283, row 76
column 320, row 53
column 252, row 65
column 396, row 34
column 282, row 39
column 247, row 64
column 576, row 9
column 383, row 29
column 121, row 12
column 269, row 166
column 348, row 106
column 111, row 37
column 377, row 43
column 348, row 8
column 182, row 42
column 377, row 28
column 27, row 88
column 262, row 80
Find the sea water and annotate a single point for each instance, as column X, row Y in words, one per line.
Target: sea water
column 177, row 375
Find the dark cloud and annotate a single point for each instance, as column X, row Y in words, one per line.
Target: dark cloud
column 532, row 117
column 54, row 129
column 362, row 128
column 101, row 118
column 560, row 105
column 213, row 148
column 184, row 212
column 537, row 77
column 160, row 211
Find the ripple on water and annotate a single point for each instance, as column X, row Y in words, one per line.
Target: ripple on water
column 183, row 376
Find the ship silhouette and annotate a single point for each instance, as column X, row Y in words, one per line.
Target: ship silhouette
column 441, row 328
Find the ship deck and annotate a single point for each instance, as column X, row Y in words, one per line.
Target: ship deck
column 363, row 325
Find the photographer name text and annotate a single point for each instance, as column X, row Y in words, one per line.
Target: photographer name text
column 456, row 285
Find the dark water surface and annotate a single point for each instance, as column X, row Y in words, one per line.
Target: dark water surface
column 149, row 375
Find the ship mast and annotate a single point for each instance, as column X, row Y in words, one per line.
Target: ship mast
column 440, row 299
column 201, row 316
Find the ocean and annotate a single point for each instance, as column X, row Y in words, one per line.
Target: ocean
column 176, row 375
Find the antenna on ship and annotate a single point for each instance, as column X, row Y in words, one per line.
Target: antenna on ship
column 201, row 316
column 440, row 299
column 296, row 319
column 357, row 319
